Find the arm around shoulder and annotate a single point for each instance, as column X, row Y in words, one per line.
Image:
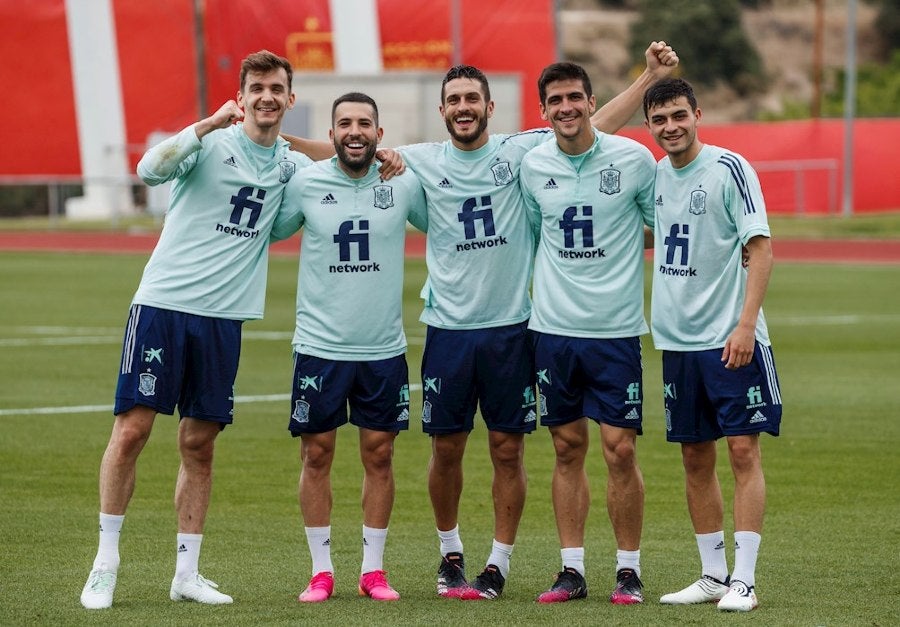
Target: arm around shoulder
column 661, row 62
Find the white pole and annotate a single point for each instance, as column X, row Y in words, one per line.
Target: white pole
column 849, row 106
column 357, row 37
column 98, row 111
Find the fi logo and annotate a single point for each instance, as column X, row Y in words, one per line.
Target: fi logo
column 754, row 397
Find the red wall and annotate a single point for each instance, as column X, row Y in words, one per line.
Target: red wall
column 876, row 181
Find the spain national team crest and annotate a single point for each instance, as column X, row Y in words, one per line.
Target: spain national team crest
column 147, row 384
column 698, row 202
column 301, row 411
column 384, row 196
column 610, row 181
column 288, row 168
column 426, row 412
column 502, row 173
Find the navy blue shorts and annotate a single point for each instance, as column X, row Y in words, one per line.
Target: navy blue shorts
column 488, row 368
column 173, row 358
column 377, row 392
column 597, row 378
column 705, row 401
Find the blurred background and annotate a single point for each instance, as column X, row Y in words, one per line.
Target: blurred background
column 808, row 91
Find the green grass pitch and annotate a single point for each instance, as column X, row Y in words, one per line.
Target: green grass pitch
column 831, row 545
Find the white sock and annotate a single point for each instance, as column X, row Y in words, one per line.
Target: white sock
column 450, row 541
column 573, row 558
column 712, row 554
column 629, row 559
column 319, row 541
column 500, row 554
column 373, row 549
column 746, row 549
column 187, row 556
column 108, row 547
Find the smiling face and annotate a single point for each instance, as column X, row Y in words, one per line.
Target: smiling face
column 356, row 134
column 568, row 109
column 466, row 113
column 265, row 97
column 673, row 126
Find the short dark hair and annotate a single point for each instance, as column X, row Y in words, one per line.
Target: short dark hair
column 562, row 72
column 466, row 71
column 667, row 90
column 264, row 62
column 355, row 96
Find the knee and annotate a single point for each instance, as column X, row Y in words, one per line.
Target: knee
column 570, row 449
column 744, row 454
column 197, row 448
column 377, row 458
column 316, row 456
column 447, row 451
column 620, row 454
column 508, row 452
column 129, row 435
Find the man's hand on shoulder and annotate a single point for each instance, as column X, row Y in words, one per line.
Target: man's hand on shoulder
column 391, row 163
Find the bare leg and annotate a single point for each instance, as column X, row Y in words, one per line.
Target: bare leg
column 316, row 456
column 445, row 478
column 118, row 468
column 571, row 492
column 625, row 486
column 376, row 450
column 196, row 442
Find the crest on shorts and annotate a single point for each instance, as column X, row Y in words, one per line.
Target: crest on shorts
column 668, row 419
column 610, row 181
column 147, row 384
column 426, row 412
column 301, row 411
column 384, row 196
column 543, row 404
column 698, row 202
column 288, row 168
column 502, row 173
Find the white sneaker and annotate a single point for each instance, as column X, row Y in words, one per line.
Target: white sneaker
column 198, row 589
column 739, row 598
column 98, row 591
column 704, row 590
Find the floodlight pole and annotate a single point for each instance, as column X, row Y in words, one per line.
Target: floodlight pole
column 849, row 107
column 200, row 56
column 456, row 31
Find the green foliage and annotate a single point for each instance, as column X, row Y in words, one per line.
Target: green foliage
column 887, row 25
column 831, row 515
column 877, row 90
column 709, row 38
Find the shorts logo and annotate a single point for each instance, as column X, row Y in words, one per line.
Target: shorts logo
column 432, row 384
column 404, row 397
column 543, row 404
column 314, row 382
column 668, row 419
column 384, row 196
column 634, row 414
column 634, row 393
column 758, row 417
column 147, row 384
column 543, row 377
column 754, row 397
column 669, row 391
column 528, row 397
column 153, row 354
column 502, row 173
column 426, row 412
column 404, row 416
column 288, row 168
column 610, row 181
column 301, row 411
column 698, row 202
column 531, row 416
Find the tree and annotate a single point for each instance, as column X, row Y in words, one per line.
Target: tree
column 708, row 36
